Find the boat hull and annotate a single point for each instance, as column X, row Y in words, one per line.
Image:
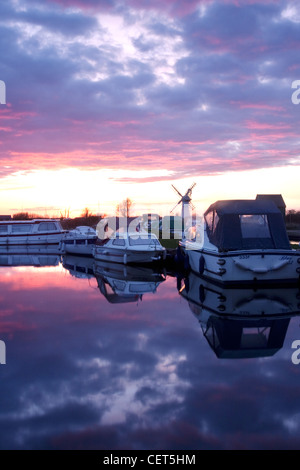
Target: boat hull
column 127, row 256
column 205, row 298
column 31, row 239
column 78, row 246
column 246, row 267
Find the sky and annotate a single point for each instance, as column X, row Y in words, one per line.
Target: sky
column 112, row 99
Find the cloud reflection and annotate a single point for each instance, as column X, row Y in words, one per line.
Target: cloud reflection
column 82, row 373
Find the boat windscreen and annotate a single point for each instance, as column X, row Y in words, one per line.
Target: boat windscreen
column 146, row 241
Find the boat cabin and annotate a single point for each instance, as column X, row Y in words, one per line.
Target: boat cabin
column 127, row 240
column 246, row 225
column 20, row 227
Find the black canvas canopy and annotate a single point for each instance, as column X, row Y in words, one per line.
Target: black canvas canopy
column 246, row 224
column 233, row 339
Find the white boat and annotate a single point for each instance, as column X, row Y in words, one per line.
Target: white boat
column 79, row 241
column 244, row 241
column 30, row 232
column 127, row 247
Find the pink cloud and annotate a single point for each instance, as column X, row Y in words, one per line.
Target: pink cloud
column 266, row 126
column 269, row 107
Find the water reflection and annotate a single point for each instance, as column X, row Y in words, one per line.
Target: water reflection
column 117, row 282
column 30, row 255
column 85, row 373
column 241, row 323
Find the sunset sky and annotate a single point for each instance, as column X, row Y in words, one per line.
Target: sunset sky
column 111, row 99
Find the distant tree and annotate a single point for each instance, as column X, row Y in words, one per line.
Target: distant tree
column 21, row 216
column 26, row 216
column 290, row 214
column 86, row 213
column 124, row 208
column 65, row 214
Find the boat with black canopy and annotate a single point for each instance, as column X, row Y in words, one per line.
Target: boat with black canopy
column 244, row 241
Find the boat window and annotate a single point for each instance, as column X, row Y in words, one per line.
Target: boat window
column 255, row 338
column 143, row 241
column 19, row 228
column 255, row 226
column 118, row 242
column 140, row 288
column 119, row 285
column 3, row 228
column 209, row 219
column 215, row 221
column 212, row 220
column 47, row 226
column 212, row 337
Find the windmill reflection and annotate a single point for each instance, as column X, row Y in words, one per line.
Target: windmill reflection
column 241, row 323
column 117, row 282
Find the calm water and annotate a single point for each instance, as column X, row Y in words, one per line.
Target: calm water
column 98, row 363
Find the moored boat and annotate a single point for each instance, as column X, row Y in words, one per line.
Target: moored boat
column 31, row 232
column 244, row 241
column 126, row 247
column 79, row 241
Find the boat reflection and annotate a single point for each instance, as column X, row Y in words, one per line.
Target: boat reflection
column 30, row 255
column 81, row 267
column 118, row 283
column 241, row 323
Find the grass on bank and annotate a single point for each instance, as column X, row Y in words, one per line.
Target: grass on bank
column 169, row 244
column 295, row 246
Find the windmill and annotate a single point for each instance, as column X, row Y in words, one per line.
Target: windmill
column 185, row 200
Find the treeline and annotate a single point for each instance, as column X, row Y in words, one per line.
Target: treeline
column 26, row 216
column 292, row 217
column 91, row 221
column 86, row 218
